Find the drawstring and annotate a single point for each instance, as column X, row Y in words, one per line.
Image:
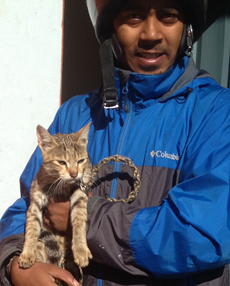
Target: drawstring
column 126, row 106
column 125, row 91
column 188, row 91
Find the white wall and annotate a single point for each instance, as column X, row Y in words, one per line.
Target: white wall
column 30, row 80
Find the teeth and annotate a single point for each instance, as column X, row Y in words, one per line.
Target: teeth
column 150, row 56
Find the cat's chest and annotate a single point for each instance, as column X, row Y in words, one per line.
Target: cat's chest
column 55, row 188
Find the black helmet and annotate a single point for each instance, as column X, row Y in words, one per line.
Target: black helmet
column 102, row 13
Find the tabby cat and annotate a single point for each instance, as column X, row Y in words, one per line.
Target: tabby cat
column 65, row 170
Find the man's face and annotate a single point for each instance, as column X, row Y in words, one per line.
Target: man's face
column 149, row 32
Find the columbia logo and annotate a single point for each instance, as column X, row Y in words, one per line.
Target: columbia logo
column 161, row 154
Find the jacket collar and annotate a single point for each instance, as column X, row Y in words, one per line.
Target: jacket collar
column 144, row 87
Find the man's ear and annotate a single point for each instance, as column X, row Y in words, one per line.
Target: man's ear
column 82, row 134
column 45, row 140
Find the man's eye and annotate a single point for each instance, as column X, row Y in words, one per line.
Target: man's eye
column 61, row 162
column 169, row 18
column 134, row 17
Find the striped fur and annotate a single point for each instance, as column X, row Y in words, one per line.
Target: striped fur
column 65, row 166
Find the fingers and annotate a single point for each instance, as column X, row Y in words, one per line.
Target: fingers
column 63, row 275
column 90, row 194
column 40, row 274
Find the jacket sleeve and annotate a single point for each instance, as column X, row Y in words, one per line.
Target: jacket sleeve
column 190, row 230
column 12, row 223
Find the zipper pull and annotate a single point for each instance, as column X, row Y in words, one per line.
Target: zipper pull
column 125, row 91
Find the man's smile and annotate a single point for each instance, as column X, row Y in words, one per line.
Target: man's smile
column 149, row 55
column 150, row 59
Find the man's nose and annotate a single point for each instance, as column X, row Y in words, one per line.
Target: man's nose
column 151, row 28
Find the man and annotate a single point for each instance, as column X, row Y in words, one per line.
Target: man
column 173, row 122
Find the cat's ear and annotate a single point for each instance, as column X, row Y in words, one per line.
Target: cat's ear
column 82, row 134
column 45, row 140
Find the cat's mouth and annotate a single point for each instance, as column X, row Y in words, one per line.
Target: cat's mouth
column 74, row 180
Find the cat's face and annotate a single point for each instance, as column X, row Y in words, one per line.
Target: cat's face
column 66, row 160
column 65, row 156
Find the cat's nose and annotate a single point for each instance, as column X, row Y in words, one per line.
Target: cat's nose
column 73, row 175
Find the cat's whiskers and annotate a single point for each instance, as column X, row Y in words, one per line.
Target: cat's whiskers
column 44, row 174
column 58, row 191
column 56, row 181
column 93, row 181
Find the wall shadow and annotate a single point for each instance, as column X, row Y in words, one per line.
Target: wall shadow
column 81, row 65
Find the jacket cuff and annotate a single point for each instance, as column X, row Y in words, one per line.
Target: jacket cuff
column 9, row 246
column 4, row 277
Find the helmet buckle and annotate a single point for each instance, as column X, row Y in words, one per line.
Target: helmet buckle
column 110, row 97
column 110, row 100
column 189, row 40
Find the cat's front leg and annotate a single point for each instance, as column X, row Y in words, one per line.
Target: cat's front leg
column 33, row 226
column 80, row 248
column 27, row 258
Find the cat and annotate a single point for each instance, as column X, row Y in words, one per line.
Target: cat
column 66, row 169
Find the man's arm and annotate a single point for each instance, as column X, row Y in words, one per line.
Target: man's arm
column 39, row 274
column 13, row 221
column 189, row 231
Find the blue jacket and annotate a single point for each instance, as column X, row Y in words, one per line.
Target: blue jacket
column 177, row 132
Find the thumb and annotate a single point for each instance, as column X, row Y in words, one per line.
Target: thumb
column 65, row 276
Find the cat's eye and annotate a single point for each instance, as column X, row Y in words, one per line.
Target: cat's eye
column 80, row 161
column 62, row 162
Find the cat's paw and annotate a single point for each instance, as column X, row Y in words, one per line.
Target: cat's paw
column 26, row 260
column 82, row 255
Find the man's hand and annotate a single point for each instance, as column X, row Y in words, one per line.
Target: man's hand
column 57, row 215
column 40, row 274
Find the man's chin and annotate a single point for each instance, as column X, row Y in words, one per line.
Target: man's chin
column 150, row 70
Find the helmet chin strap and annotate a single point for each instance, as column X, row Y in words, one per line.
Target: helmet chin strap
column 110, row 97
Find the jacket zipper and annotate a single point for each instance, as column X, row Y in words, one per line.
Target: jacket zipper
column 117, row 165
column 122, row 139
